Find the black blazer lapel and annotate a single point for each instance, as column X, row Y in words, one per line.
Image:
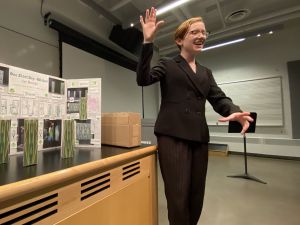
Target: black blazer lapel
column 203, row 80
column 198, row 80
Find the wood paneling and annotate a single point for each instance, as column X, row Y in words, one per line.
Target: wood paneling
column 101, row 198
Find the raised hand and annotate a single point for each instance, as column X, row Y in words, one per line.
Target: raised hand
column 149, row 25
column 242, row 117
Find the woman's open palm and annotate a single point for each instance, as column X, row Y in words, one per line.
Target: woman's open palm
column 149, row 25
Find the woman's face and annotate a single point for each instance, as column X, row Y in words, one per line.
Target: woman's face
column 194, row 39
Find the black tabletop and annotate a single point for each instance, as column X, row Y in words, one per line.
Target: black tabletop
column 51, row 161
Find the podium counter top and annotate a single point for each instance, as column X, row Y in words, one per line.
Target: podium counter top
column 50, row 161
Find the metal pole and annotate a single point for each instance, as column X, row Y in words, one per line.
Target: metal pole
column 245, row 155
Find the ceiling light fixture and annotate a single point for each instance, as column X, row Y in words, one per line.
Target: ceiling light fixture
column 270, row 32
column 170, row 6
column 223, row 44
column 258, row 35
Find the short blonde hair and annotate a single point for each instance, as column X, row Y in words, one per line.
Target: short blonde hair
column 184, row 26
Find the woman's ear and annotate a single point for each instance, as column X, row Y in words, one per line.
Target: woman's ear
column 178, row 42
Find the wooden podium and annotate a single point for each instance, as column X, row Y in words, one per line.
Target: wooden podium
column 121, row 189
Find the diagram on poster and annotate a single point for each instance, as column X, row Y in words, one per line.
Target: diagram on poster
column 3, row 106
column 9, row 105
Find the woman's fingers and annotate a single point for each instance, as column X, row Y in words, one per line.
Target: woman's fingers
column 249, row 118
column 147, row 15
column 142, row 21
column 245, row 127
column 159, row 24
column 153, row 12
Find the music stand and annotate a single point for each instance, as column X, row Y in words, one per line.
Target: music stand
column 236, row 127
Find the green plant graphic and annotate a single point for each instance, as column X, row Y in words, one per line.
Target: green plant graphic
column 4, row 140
column 30, row 142
column 68, row 139
column 83, row 108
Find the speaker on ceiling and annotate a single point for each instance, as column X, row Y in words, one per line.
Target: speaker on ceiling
column 130, row 39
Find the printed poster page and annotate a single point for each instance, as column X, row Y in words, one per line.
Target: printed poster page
column 87, row 130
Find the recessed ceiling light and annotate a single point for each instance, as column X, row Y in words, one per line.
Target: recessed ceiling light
column 258, row 35
column 270, row 32
column 131, row 24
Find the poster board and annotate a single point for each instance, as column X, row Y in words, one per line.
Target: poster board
column 26, row 94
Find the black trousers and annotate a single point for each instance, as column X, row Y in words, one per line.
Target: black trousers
column 183, row 166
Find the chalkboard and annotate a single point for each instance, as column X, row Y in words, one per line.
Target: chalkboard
column 263, row 96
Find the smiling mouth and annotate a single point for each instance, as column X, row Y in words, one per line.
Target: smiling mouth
column 199, row 42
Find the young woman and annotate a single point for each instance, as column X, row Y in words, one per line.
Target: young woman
column 181, row 128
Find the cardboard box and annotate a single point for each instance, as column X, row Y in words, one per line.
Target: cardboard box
column 121, row 129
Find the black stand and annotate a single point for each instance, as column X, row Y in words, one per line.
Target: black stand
column 235, row 127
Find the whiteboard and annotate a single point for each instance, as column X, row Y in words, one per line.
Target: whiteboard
column 263, row 96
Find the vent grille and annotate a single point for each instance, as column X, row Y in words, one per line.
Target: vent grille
column 237, row 15
column 32, row 212
column 95, row 186
column 131, row 170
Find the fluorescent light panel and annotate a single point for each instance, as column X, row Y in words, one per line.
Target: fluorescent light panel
column 170, row 6
column 223, row 44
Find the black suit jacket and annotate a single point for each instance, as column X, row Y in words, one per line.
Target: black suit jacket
column 183, row 96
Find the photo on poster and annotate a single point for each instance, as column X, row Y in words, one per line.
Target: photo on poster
column 21, row 134
column 4, row 76
column 56, row 86
column 83, row 132
column 52, row 133
column 73, row 99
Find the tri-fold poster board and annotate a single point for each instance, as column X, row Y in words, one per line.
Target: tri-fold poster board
column 39, row 111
